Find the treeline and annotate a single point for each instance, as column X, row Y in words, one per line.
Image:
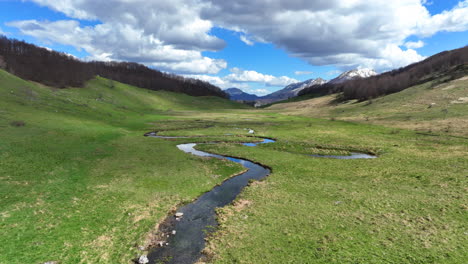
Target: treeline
column 61, row 70
column 451, row 63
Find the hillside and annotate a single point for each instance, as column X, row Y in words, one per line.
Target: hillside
column 78, row 181
column 433, row 106
column 447, row 63
column 61, row 70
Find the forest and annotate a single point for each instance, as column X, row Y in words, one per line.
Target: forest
column 448, row 63
column 62, row 70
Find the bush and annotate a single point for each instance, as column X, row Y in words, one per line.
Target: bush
column 18, row 123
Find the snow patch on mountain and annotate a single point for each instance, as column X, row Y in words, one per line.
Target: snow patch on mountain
column 354, row 74
column 293, row 90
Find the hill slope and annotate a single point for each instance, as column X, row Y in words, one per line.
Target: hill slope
column 61, row 70
column 446, row 63
column 79, row 182
column 433, row 106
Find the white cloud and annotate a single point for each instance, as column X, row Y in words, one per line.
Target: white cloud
column 247, row 41
column 343, row 33
column 173, row 34
column 302, row 72
column 218, row 81
column 454, row 20
column 198, row 66
column 414, row 44
column 170, row 35
column 239, row 75
column 241, row 79
column 257, row 91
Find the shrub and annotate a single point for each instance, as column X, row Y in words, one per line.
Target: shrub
column 18, row 123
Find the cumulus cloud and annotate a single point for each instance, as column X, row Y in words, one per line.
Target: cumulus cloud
column 239, row 78
column 161, row 33
column 454, row 20
column 239, row 75
column 302, row 72
column 257, row 91
column 414, row 44
column 173, row 34
column 215, row 80
column 344, row 33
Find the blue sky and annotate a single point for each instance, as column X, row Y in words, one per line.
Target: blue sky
column 257, row 47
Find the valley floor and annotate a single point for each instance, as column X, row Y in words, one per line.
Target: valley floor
column 80, row 183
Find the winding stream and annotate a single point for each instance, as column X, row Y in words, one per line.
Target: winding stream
column 185, row 236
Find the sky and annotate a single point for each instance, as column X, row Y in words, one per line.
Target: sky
column 258, row 46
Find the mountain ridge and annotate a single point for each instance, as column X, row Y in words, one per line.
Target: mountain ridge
column 237, row 94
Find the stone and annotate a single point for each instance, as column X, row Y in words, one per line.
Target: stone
column 179, row 214
column 173, row 232
column 143, row 259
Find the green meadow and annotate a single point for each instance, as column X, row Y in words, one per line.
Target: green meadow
column 79, row 183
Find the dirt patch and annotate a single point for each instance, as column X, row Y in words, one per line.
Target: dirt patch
column 448, row 87
column 241, row 204
column 102, row 241
column 461, row 100
column 142, row 215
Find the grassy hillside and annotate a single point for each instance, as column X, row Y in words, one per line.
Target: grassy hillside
column 79, row 182
column 429, row 107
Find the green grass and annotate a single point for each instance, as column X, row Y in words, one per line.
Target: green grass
column 80, row 184
column 407, row 206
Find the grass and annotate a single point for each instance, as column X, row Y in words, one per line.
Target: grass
column 407, row 206
column 80, row 184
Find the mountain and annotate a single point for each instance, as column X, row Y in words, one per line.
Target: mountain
column 353, row 74
column 293, row 90
column 236, row 94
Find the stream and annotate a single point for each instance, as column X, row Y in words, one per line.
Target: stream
column 185, row 235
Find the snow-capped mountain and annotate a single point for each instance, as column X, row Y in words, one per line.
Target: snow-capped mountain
column 293, row 89
column 354, row 74
column 236, row 94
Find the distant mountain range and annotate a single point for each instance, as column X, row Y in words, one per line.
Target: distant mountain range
column 237, row 94
column 294, row 89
